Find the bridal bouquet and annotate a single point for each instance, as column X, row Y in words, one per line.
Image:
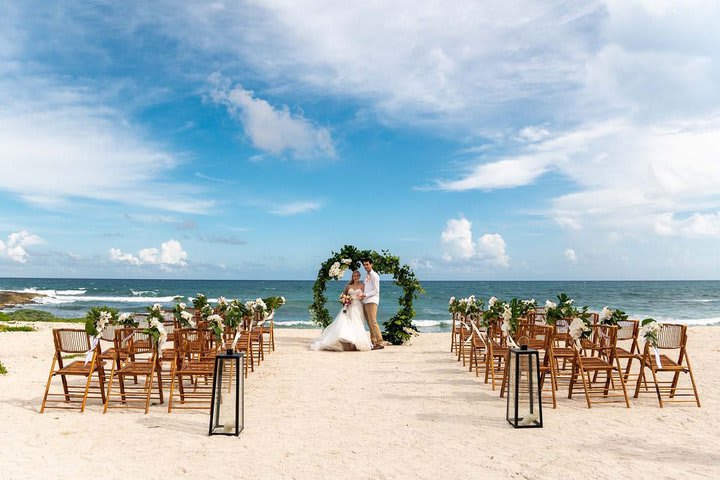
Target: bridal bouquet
column 346, row 300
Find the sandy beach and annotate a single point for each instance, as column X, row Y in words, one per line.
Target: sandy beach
column 403, row 412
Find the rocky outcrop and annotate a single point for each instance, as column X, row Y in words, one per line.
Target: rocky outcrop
column 10, row 299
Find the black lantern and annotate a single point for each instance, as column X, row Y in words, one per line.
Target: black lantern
column 227, row 410
column 524, row 401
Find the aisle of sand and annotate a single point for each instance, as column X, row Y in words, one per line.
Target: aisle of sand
column 403, row 412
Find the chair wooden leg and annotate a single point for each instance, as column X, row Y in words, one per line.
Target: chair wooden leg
column 109, row 390
column 692, row 380
column 657, row 386
column 47, row 386
column 87, row 384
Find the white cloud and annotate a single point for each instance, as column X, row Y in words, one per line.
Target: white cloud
column 273, row 130
column 570, row 255
column 295, row 208
column 170, row 254
column 458, row 244
column 14, row 247
column 66, row 138
column 457, row 239
column 696, row 225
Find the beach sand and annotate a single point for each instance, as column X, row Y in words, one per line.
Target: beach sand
column 402, row 412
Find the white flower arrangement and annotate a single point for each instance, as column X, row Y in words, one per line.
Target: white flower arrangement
column 217, row 326
column 127, row 320
column 605, row 314
column 578, row 328
column 650, row 330
column 451, row 301
column 506, row 317
column 257, row 306
column 492, row 302
column 222, row 301
column 337, row 271
column 188, row 318
column 216, row 319
column 103, row 320
column 346, row 261
column 157, row 330
column 550, row 304
column 182, row 306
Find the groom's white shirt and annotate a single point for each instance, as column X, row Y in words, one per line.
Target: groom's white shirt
column 372, row 288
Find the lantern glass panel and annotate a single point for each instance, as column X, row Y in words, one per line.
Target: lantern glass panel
column 524, row 406
column 226, row 411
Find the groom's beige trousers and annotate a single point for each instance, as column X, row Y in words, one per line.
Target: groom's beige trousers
column 371, row 317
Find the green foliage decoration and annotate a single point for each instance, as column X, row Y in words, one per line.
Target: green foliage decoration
column 399, row 328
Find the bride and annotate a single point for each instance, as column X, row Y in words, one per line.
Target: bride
column 347, row 331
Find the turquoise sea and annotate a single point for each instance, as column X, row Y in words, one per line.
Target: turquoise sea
column 691, row 302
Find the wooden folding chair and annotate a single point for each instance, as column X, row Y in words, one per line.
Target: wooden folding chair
column 671, row 337
column 455, row 334
column 603, row 342
column 478, row 347
column 192, row 370
column 74, row 342
column 497, row 354
column 268, row 332
column 464, row 334
column 142, row 362
column 629, row 351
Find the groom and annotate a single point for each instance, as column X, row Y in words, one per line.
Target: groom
column 371, row 298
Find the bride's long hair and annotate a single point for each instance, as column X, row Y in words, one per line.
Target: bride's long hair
column 352, row 279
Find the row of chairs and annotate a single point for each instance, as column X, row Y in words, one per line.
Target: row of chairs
column 601, row 366
column 140, row 372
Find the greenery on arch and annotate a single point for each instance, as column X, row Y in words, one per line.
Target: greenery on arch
column 399, row 328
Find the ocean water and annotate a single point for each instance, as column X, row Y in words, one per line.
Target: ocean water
column 691, row 302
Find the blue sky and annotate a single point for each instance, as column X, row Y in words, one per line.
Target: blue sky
column 538, row 140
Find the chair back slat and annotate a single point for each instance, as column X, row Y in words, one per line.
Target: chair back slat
column 627, row 329
column 68, row 340
column 108, row 334
column 671, row 336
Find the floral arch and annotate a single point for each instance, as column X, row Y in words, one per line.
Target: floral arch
column 399, row 328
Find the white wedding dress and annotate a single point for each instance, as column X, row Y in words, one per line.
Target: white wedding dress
column 347, row 330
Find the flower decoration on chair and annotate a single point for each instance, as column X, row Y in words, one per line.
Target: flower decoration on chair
column 466, row 306
column 235, row 314
column 98, row 318
column 556, row 311
column 127, row 320
column 215, row 322
column 182, row 316
column 495, row 309
column 199, row 302
column 609, row 316
column 222, row 306
column 257, row 309
column 272, row 304
column 156, row 331
column 383, row 263
column 649, row 330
